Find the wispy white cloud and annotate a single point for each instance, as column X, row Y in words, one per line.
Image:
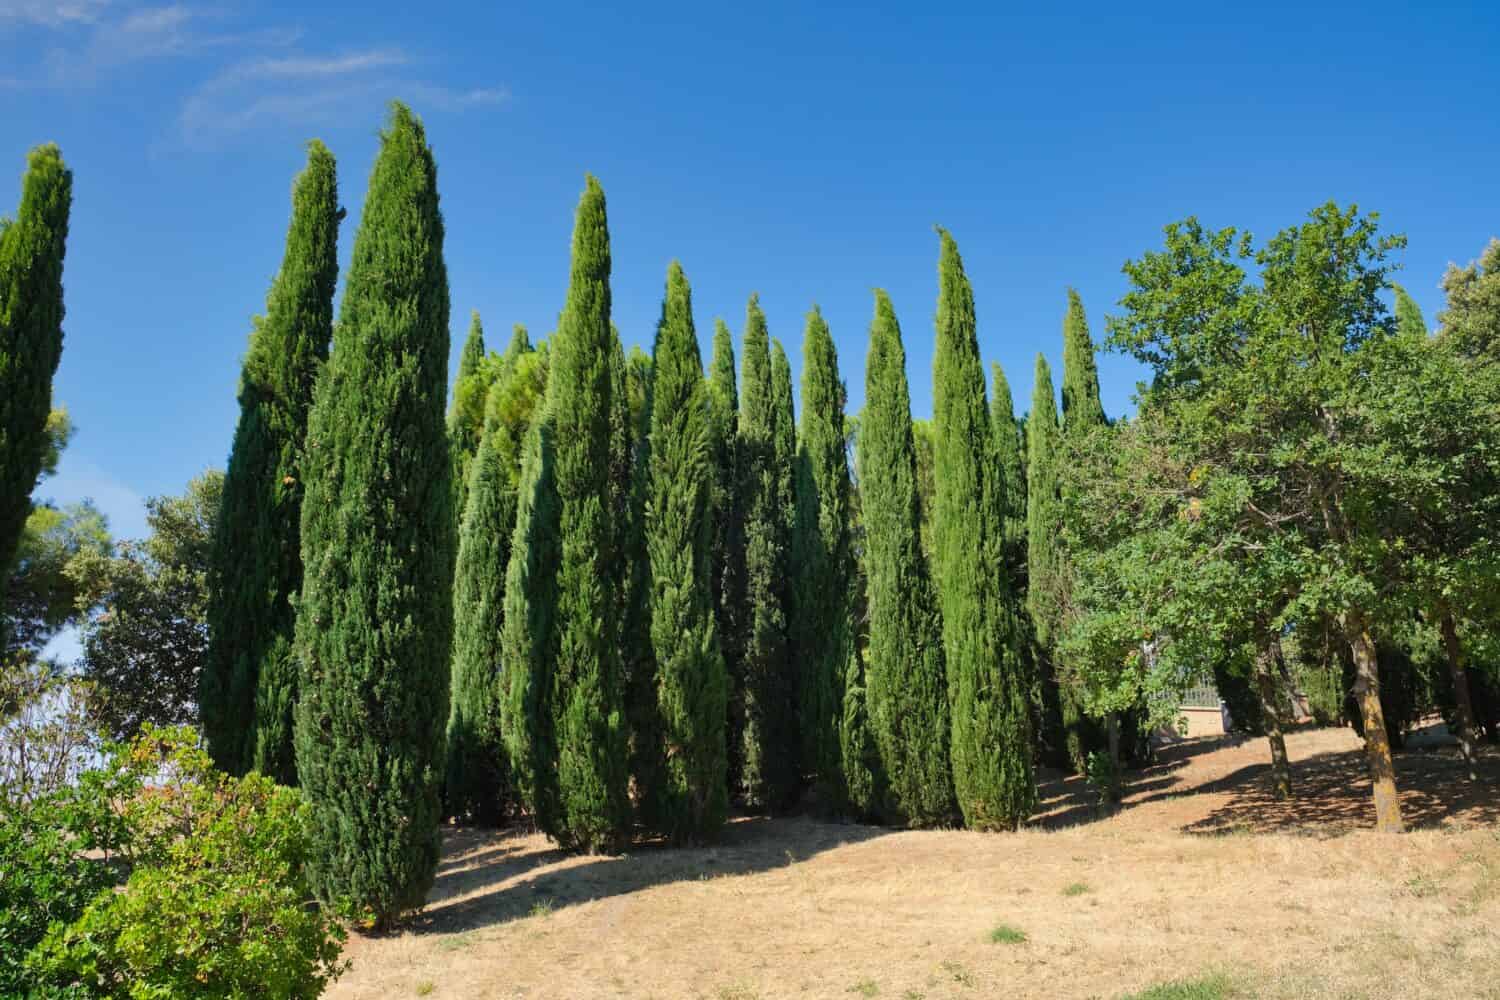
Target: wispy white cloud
column 52, row 15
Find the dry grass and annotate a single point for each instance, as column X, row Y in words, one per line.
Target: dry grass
column 1200, row 888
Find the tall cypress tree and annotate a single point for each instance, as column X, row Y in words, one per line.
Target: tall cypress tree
column 770, row 773
column 375, row 622
column 476, row 784
column 1081, row 406
column 689, row 798
column 1409, row 320
column 467, row 414
column 588, row 714
column 991, row 748
column 727, row 540
column 1013, row 474
column 249, row 681
column 822, row 562
column 31, row 335
column 906, row 680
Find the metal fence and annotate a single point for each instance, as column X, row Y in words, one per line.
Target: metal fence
column 1206, row 696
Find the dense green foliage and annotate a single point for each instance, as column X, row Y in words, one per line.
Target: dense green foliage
column 906, row 681
column 1409, row 321
column 687, row 799
column 375, row 620
column 466, row 416
column 249, row 680
column 991, row 747
column 1010, row 446
column 31, row 336
column 42, row 595
column 727, row 540
column 822, row 567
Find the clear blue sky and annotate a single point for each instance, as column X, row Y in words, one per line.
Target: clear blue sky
column 803, row 154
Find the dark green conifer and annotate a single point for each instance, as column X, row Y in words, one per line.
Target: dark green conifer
column 822, row 564
column 906, row 679
column 1409, row 319
column 727, row 539
column 770, row 775
column 991, row 747
column 688, row 800
column 467, row 414
column 588, row 713
column 31, row 334
column 1013, row 474
column 375, row 621
column 1081, row 406
column 248, row 686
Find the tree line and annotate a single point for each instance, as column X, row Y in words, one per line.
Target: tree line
column 618, row 593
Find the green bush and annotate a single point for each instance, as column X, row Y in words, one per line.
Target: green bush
column 216, row 901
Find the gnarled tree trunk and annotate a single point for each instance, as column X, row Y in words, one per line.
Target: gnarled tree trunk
column 1377, row 743
column 1265, row 687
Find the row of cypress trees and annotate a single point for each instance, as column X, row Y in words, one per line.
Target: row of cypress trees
column 612, row 592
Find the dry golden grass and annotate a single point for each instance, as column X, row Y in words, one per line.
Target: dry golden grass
column 1199, row 875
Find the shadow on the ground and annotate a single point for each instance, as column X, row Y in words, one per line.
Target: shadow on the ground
column 1067, row 800
column 1331, row 795
column 484, row 878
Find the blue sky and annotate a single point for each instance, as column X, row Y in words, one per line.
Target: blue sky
column 802, row 153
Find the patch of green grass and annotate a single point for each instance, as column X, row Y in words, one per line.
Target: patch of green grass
column 865, row 988
column 740, row 991
column 1077, row 889
column 425, row 987
column 1215, row 987
column 1006, row 934
column 456, row 942
column 541, row 907
column 914, row 995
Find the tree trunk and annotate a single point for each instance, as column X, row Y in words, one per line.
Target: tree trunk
column 1265, row 686
column 1289, row 683
column 1460, row 693
column 1377, row 743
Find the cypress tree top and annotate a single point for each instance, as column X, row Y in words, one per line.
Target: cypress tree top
column 1080, row 391
column 375, row 621
column 31, row 335
column 1041, row 505
column 1409, row 321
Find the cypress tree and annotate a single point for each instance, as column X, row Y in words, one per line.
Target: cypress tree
column 476, row 783
column 907, row 686
column 467, row 414
column 249, row 681
column 770, row 773
column 587, row 715
column 1081, row 406
column 689, row 799
column 822, row 562
column 1409, row 320
column 520, row 343
column 727, row 539
column 630, row 450
column 1008, row 445
column 375, row 622
column 991, row 747
column 31, row 335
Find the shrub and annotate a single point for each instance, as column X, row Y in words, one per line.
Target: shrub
column 216, row 902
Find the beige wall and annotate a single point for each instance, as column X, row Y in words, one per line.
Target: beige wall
column 1202, row 721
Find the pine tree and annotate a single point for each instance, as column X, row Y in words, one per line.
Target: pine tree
column 375, row 621
column 727, row 540
column 467, row 414
column 31, row 335
column 249, row 681
column 477, row 780
column 588, row 714
column 822, row 563
column 770, row 772
column 906, row 681
column 1409, row 320
column 688, row 800
column 991, row 748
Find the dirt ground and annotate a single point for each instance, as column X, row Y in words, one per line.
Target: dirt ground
column 1201, row 873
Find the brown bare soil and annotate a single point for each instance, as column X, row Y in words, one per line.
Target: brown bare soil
column 1201, row 873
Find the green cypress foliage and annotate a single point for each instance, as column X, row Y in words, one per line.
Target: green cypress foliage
column 467, row 414
column 690, row 796
column 1409, row 320
column 991, row 748
column 587, row 715
column 520, row 343
column 906, row 680
column 375, row 621
column 31, row 335
column 1080, row 390
column 822, row 562
column 249, row 681
column 727, row 540
column 476, row 785
column 770, row 773
column 630, row 383
column 1013, row 474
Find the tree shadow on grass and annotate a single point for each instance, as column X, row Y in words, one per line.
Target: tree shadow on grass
column 1065, row 800
column 1332, row 795
column 493, row 877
